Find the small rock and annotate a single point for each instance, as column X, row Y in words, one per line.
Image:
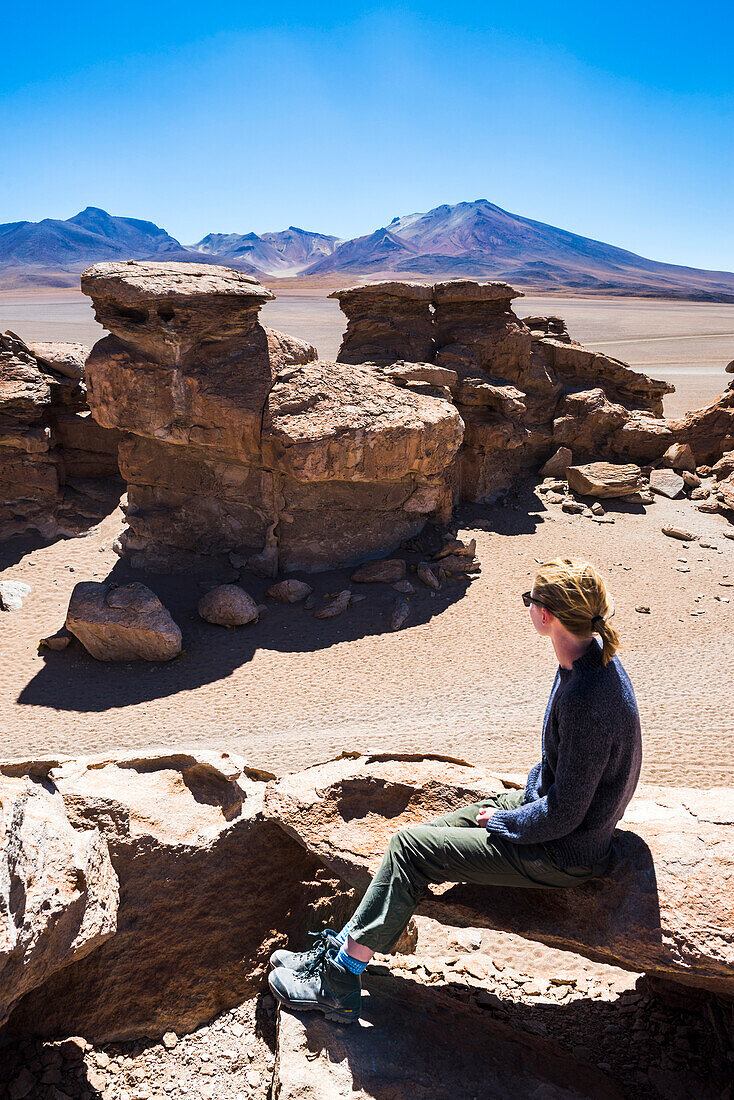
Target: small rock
column 679, row 456
column 666, row 482
column 574, row 507
column 427, row 575
column 389, row 571
column 457, row 546
column 459, row 564
column 122, row 623
column 693, row 481
column 309, row 602
column 597, row 508
column 237, row 1028
column 701, row 493
column 555, row 498
column 57, row 641
column 237, row 561
column 679, row 533
column 710, row 506
column 400, row 612
column 336, row 606
column 253, row 1078
column 643, row 609
column 12, row 594
column 290, row 591
column 704, row 471
column 228, row 605
column 557, row 465
column 405, row 587
column 170, row 1039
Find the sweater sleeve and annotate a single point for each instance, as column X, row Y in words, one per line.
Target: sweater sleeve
column 583, row 751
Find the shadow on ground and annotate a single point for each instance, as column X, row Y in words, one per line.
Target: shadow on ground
column 72, row 680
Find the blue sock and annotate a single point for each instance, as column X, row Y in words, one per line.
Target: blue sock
column 346, row 960
column 342, row 936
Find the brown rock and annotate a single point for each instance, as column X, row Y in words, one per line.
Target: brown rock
column 58, row 890
column 679, row 533
column 228, row 605
column 208, row 889
column 459, row 563
column 405, row 587
column 574, row 507
column 57, row 641
column 679, row 457
column 416, row 1054
column 387, row 322
column 724, row 467
column 586, row 419
column 67, row 359
column 290, row 591
column 605, row 479
column 400, row 613
column 659, row 909
column 401, row 373
column 457, row 546
column 692, row 480
column 336, row 606
column 666, row 482
column 428, row 576
column 128, row 623
column 726, row 493
column 557, row 464
column 380, row 571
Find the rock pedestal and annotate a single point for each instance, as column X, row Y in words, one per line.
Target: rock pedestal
column 386, row 322
column 241, row 441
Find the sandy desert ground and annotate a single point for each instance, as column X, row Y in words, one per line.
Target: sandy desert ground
column 467, row 675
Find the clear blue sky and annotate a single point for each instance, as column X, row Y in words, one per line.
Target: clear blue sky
column 613, row 120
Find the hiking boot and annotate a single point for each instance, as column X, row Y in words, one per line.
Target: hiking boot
column 326, row 942
column 323, row 986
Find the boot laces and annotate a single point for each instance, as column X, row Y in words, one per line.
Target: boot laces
column 319, row 952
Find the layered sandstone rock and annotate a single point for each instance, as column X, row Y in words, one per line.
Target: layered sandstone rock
column 47, row 437
column 208, row 889
column 58, row 890
column 661, row 908
column 386, row 322
column 240, row 442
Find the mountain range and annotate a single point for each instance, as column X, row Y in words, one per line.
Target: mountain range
column 469, row 239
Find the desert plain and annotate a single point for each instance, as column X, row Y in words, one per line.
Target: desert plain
column 467, row 675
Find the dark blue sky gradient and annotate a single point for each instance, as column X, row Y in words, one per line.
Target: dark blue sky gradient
column 615, row 121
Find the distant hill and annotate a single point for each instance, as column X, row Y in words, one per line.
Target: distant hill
column 469, row 240
column 479, row 239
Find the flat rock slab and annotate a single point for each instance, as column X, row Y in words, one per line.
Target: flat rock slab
column 424, row 1044
column 666, row 482
column 605, row 479
column 664, row 906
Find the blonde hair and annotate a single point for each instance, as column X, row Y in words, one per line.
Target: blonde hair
column 576, row 594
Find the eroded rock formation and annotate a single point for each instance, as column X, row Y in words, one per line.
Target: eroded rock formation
column 523, row 387
column 207, row 890
column 49, row 445
column 241, row 441
column 661, row 908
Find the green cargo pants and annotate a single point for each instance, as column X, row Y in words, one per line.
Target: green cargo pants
column 453, row 849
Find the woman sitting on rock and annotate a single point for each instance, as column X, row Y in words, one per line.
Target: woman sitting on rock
column 555, row 833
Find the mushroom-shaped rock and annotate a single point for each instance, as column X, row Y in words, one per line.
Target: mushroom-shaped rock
column 228, row 605
column 386, row 322
column 476, row 330
column 188, row 362
column 128, row 623
column 605, row 479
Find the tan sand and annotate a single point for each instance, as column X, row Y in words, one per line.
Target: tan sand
column 466, row 676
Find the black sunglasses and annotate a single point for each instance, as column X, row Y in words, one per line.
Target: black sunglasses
column 528, row 598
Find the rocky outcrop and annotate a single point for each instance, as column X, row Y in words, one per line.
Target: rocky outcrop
column 47, row 438
column 416, row 1041
column 58, row 890
column 122, row 623
column 660, row 909
column 240, row 442
column 208, row 889
column 386, row 322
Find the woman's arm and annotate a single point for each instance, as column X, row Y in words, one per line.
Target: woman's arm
column 583, row 751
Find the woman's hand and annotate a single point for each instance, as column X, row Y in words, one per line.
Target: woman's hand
column 484, row 815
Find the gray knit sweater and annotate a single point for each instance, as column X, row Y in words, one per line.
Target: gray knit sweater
column 592, row 751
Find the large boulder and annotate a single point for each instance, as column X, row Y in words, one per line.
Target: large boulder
column 125, row 623
column 418, row 1042
column 58, row 889
column 662, row 908
column 605, row 479
column 208, row 889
